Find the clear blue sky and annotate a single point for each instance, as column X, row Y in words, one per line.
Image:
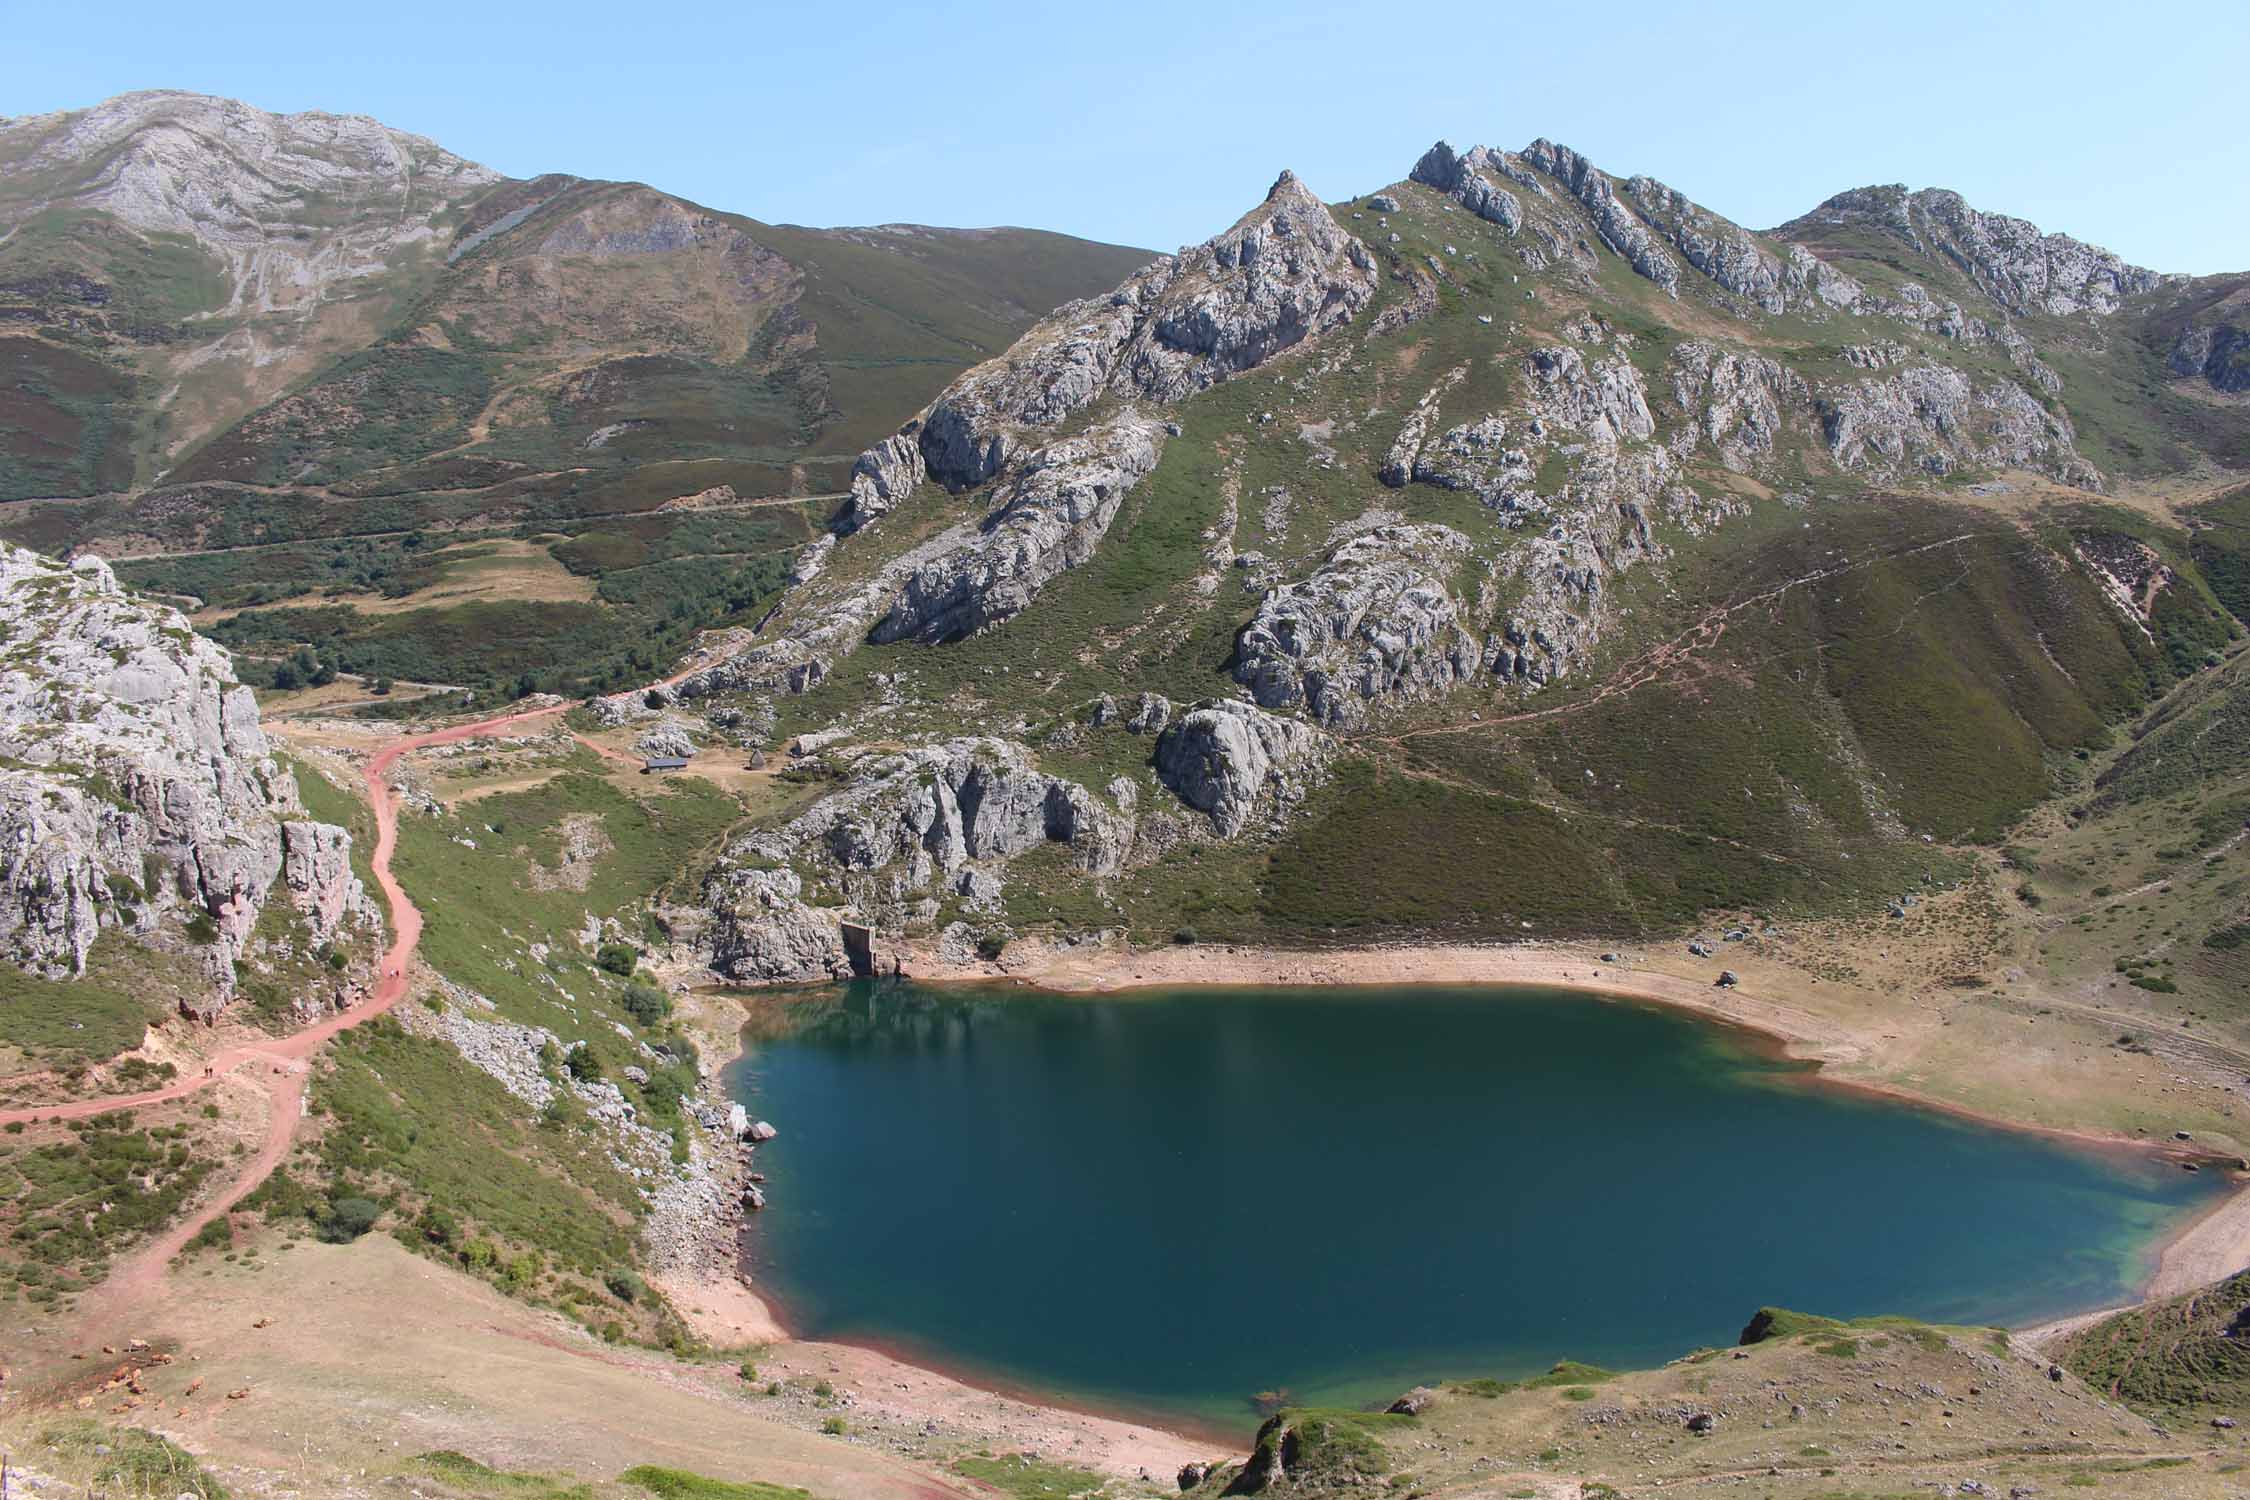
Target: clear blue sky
column 1156, row 124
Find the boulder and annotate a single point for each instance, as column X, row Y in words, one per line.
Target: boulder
column 1231, row 760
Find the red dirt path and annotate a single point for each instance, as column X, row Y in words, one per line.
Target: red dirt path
column 279, row 1066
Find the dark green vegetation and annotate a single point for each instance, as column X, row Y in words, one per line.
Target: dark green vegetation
column 679, row 1484
column 452, row 1164
column 419, row 1137
column 130, row 1462
column 1315, row 1451
column 654, row 580
column 460, row 1477
column 1024, row 1476
column 73, row 1196
column 1143, row 1099
column 2177, row 1359
column 69, row 1024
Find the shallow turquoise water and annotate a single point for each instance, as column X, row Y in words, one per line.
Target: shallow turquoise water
column 1168, row 1202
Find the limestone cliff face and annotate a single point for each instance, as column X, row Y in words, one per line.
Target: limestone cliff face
column 2014, row 263
column 909, row 829
column 1375, row 623
column 137, row 789
column 298, row 208
column 1286, row 272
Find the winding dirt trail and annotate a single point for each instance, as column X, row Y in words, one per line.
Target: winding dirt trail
column 279, row 1067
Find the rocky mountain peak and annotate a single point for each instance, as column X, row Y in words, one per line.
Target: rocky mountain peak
column 294, row 205
column 2011, row 260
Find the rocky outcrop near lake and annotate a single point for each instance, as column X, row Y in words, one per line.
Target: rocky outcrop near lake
column 138, row 792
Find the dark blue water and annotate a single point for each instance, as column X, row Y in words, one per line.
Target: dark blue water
column 1172, row 1201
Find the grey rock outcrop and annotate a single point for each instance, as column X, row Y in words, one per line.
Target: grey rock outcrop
column 1051, row 515
column 669, row 737
column 2219, row 352
column 1286, row 272
column 1233, row 761
column 1467, row 179
column 2010, row 259
column 1736, row 402
column 1398, row 464
column 1936, row 418
column 1726, row 252
column 1620, row 228
column 1374, row 623
column 881, row 477
column 139, row 787
column 1605, row 401
column 762, row 930
column 908, row 827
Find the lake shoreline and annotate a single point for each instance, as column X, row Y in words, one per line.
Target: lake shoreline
column 2218, row 1236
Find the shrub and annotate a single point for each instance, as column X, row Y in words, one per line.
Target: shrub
column 645, row 1002
column 437, row 1226
column 216, row 1235
column 835, row 1427
column 992, row 945
column 618, row 958
column 748, row 1371
column 349, row 1218
column 584, row 1066
column 625, row 1286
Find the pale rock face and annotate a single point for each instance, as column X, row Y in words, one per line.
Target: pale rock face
column 2019, row 267
column 668, row 737
column 762, row 930
column 1727, row 253
column 1738, row 401
column 1468, row 181
column 881, row 477
column 1233, row 761
column 297, row 207
column 908, row 826
column 139, row 778
column 1398, row 464
column 1285, row 273
column 1620, row 228
column 1605, row 401
column 1050, row 517
column 1805, row 273
column 1936, row 418
column 1478, row 457
column 1374, row 623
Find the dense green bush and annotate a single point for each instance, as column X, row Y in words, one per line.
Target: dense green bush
column 349, row 1218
